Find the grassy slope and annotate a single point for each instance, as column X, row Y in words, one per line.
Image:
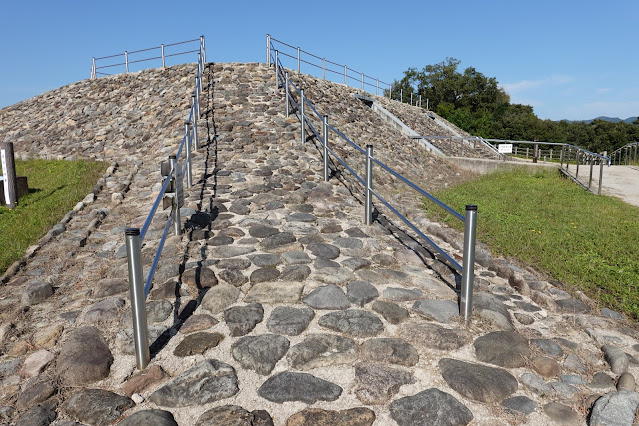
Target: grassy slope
column 588, row 242
column 54, row 189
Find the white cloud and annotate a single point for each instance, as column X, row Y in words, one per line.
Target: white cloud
column 603, row 91
column 516, row 88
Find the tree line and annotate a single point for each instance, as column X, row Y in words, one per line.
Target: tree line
column 478, row 105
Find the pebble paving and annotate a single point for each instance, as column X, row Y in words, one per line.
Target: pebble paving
column 277, row 305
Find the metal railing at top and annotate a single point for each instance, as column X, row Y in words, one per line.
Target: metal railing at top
column 124, row 59
column 626, row 155
column 470, row 219
column 171, row 195
column 362, row 80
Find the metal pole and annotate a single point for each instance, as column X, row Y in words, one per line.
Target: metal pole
column 577, row 163
column 93, row 73
column 325, row 148
column 468, row 267
column 10, row 182
column 195, row 108
column 401, row 95
column 136, row 290
column 420, row 101
column 277, row 82
column 162, row 47
column 175, row 210
column 199, row 61
column 411, row 98
column 601, row 164
column 302, row 116
column 323, row 68
column 368, row 207
column 197, row 101
column 126, row 60
column 288, row 107
column 590, row 179
column 268, row 50
column 362, row 81
column 187, row 145
column 298, row 59
column 561, row 157
column 426, row 104
column 345, row 76
column 203, row 49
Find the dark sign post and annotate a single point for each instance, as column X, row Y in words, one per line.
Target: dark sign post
column 9, row 181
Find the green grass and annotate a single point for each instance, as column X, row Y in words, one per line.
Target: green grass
column 55, row 187
column 588, row 242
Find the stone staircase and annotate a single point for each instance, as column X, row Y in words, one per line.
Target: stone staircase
column 277, row 305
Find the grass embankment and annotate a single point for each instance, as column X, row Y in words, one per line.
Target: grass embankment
column 55, row 187
column 588, row 242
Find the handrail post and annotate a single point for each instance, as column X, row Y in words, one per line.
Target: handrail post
column 302, row 117
column 162, row 47
column 323, row 68
column 401, row 95
column 288, row 94
column 601, row 164
column 199, row 68
column 277, row 81
column 577, row 159
column 591, row 165
column 362, row 81
column 195, row 108
column 298, row 59
column 126, row 60
column 468, row 267
column 197, row 101
column 203, row 49
column 93, row 73
column 345, row 83
column 175, row 209
column 136, row 290
column 325, row 148
column 268, row 50
column 568, row 159
column 368, row 207
column 187, row 146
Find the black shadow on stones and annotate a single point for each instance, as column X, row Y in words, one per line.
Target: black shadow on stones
column 199, row 220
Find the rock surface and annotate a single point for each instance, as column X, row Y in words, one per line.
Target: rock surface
column 273, row 254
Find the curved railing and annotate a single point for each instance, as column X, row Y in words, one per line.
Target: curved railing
column 303, row 57
column 171, row 195
column 106, row 62
column 470, row 218
column 627, row 155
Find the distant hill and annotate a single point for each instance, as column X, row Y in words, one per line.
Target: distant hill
column 628, row 120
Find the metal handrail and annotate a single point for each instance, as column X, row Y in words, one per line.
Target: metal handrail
column 270, row 48
column 624, row 155
column 127, row 62
column 140, row 286
column 467, row 269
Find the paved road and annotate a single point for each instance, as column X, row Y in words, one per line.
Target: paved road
column 622, row 182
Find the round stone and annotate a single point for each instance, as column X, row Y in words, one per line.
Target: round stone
column 503, row 348
column 353, row 322
column 289, row 321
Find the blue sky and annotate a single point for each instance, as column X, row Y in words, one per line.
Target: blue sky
column 568, row 59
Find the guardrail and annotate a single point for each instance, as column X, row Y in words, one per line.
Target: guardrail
column 127, row 60
column 626, row 155
column 171, row 195
column 467, row 269
column 343, row 70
